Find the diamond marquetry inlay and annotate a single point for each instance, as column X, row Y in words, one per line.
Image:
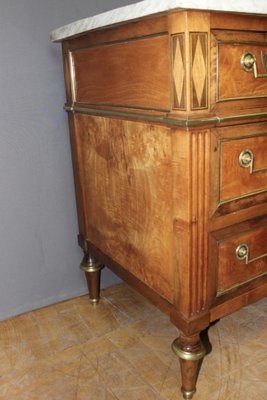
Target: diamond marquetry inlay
column 199, row 70
column 178, row 72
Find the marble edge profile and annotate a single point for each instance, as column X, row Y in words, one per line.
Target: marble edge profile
column 152, row 7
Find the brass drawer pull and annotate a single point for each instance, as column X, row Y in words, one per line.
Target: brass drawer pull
column 246, row 159
column 249, row 63
column 242, row 253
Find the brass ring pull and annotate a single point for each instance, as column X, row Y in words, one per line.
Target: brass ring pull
column 246, row 160
column 249, row 63
column 242, row 253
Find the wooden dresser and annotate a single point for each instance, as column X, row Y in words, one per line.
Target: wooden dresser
column 168, row 128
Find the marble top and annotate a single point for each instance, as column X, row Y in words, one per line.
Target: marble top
column 153, row 7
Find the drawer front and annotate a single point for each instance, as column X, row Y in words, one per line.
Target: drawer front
column 240, row 71
column 241, row 258
column 243, row 167
column 238, row 173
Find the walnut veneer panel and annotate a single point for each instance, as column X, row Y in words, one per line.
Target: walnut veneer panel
column 129, row 73
column 127, row 181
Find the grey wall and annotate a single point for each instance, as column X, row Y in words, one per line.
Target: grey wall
column 39, row 256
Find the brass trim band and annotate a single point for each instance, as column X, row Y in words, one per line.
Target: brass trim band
column 185, row 355
column 167, row 120
column 87, row 268
column 238, row 285
column 90, row 265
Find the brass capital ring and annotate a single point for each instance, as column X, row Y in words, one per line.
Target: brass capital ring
column 91, row 268
column 186, row 355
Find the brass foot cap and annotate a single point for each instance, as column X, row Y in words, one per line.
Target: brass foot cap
column 188, row 394
column 94, row 301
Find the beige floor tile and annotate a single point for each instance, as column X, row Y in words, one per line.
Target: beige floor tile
column 139, row 393
column 130, row 302
column 120, row 350
column 15, row 345
column 102, row 318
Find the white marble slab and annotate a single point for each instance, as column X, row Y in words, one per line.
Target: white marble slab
column 152, row 7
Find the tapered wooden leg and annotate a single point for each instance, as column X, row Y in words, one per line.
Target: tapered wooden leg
column 190, row 351
column 92, row 269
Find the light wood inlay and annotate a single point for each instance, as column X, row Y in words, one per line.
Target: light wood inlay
column 199, row 59
column 179, row 72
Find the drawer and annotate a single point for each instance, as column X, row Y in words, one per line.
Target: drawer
column 238, row 167
column 236, row 81
column 241, row 257
column 240, row 61
column 243, row 167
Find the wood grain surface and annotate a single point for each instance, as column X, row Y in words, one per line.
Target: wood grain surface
column 131, row 73
column 128, row 199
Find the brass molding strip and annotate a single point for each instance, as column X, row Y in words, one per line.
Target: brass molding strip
column 166, row 120
column 185, row 355
column 118, row 41
column 238, row 285
column 72, row 77
column 243, row 196
column 116, row 106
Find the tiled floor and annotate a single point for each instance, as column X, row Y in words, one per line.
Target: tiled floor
column 120, row 350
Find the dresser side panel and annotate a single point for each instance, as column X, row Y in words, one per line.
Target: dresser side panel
column 127, row 170
column 131, row 73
